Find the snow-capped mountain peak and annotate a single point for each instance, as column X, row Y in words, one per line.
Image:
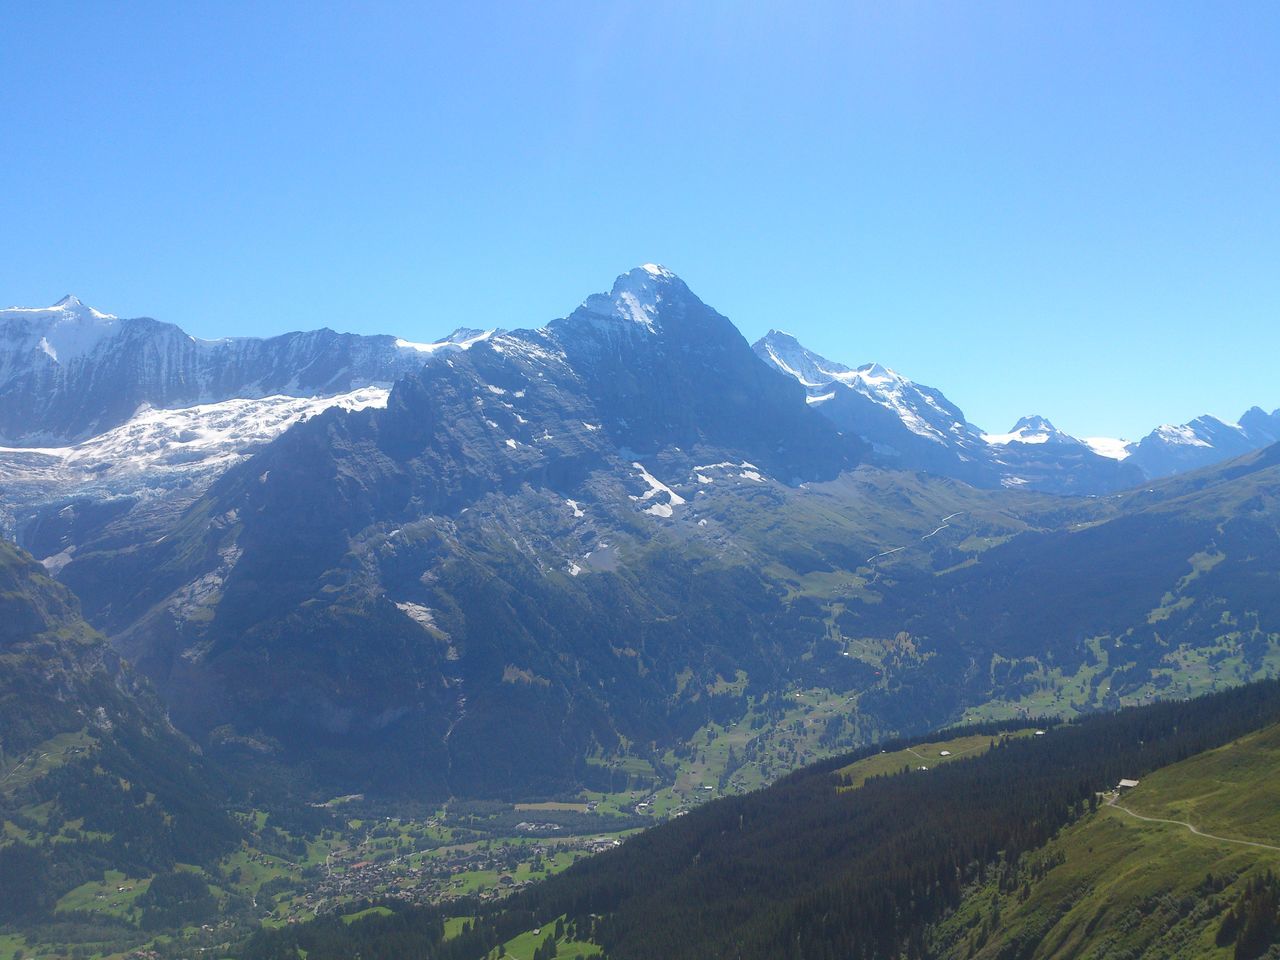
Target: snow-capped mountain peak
column 62, row 332
column 637, row 297
column 790, row 356
column 1173, row 448
column 68, row 306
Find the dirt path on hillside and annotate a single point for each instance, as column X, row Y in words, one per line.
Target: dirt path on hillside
column 1198, row 832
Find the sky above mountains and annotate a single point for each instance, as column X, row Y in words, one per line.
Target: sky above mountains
column 1061, row 208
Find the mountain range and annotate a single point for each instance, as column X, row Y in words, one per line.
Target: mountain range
column 549, row 546
column 915, row 427
column 110, row 422
column 70, row 372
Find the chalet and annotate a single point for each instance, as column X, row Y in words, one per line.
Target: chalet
column 1126, row 784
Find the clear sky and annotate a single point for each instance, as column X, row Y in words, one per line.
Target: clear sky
column 1068, row 208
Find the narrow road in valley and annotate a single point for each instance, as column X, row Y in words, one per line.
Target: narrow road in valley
column 21, row 763
column 884, row 554
column 945, row 523
column 1193, row 829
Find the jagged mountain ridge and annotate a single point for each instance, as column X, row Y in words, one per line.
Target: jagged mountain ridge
column 70, row 372
column 907, row 424
column 1203, row 441
column 915, row 427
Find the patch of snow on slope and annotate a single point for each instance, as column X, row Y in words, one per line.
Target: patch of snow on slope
column 1183, row 435
column 423, row 616
column 1109, row 447
column 900, row 395
column 656, row 487
column 458, row 340
column 1018, row 436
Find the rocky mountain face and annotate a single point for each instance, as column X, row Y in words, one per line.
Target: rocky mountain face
column 915, row 427
column 70, row 372
column 501, row 571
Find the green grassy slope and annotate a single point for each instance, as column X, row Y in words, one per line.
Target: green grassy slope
column 1113, row 885
column 924, row 756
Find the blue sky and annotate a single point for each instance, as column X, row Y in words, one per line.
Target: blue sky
column 1065, row 208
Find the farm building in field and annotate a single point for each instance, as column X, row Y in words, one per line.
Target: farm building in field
column 1126, row 784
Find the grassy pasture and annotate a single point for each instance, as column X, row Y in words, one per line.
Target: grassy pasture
column 924, row 755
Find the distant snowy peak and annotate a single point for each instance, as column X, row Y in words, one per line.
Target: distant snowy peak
column 62, row 332
column 68, row 306
column 1185, row 434
column 922, row 410
column 787, row 354
column 1175, row 448
column 1032, row 429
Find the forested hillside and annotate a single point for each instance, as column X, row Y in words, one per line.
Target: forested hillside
column 92, row 776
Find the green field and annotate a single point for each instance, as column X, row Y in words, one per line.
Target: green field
column 113, row 896
column 924, row 755
column 45, row 758
column 367, row 912
column 523, row 946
